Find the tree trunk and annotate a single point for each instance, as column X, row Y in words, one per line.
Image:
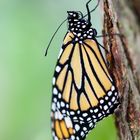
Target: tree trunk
column 123, row 17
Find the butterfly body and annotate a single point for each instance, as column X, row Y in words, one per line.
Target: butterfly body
column 83, row 90
column 80, row 28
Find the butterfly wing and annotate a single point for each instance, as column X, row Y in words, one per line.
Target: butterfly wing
column 101, row 81
column 62, row 126
column 83, row 91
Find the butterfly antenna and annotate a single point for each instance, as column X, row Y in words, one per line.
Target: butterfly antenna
column 88, row 11
column 54, row 36
column 92, row 9
column 89, row 17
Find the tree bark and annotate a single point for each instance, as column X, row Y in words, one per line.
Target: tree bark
column 123, row 17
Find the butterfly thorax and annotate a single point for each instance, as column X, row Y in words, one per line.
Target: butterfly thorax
column 80, row 27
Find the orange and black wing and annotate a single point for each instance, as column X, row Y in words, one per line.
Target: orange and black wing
column 83, row 91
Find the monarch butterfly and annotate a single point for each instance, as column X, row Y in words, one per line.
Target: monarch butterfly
column 83, row 90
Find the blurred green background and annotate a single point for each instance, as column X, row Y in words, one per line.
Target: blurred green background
column 26, row 75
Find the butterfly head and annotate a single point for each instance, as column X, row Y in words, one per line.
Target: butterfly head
column 76, row 22
column 73, row 15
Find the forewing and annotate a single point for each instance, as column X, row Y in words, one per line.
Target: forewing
column 83, row 91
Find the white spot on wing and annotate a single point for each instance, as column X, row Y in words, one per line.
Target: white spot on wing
column 59, row 95
column 106, row 98
column 60, row 116
column 96, row 110
column 58, row 68
column 101, row 101
column 113, row 99
column 105, row 107
column 58, row 105
column 109, row 103
column 72, row 113
column 53, row 81
column 61, row 50
column 77, row 127
column 85, row 129
column 68, row 122
column 112, row 88
column 63, row 111
column 88, row 119
column 91, row 125
column 53, row 106
column 109, row 93
column 99, row 115
column 84, row 26
column 55, row 91
column 62, row 104
column 82, row 133
column 79, row 34
column 85, row 114
column 72, row 137
column 55, row 99
column 116, row 93
column 55, row 138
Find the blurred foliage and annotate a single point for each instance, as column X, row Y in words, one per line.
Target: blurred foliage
column 25, row 74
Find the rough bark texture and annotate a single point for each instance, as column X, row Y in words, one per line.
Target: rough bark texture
column 123, row 16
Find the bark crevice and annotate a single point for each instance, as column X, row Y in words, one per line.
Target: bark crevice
column 120, row 17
